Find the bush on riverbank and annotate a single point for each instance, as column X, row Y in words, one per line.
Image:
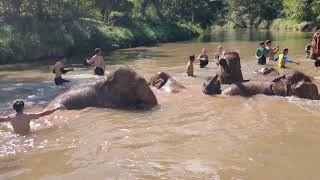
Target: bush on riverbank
column 292, row 25
column 28, row 39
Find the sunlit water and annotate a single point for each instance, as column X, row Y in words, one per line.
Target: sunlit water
column 188, row 136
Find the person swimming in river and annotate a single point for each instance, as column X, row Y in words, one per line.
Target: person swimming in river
column 283, row 59
column 58, row 70
column 204, row 59
column 262, row 53
column 190, row 66
column 20, row 121
column 272, row 51
column 98, row 62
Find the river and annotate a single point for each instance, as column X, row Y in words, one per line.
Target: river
column 188, row 136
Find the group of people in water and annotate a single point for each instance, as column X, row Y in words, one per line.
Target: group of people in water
column 267, row 51
column 20, row 121
column 97, row 60
column 203, row 59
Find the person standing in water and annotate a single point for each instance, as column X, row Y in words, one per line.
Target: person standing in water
column 220, row 54
column 190, row 66
column 204, row 58
column 59, row 70
column 272, row 51
column 20, row 121
column 98, row 62
column 283, row 59
column 262, row 53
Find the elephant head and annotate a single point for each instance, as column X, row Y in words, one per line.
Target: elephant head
column 159, row 80
column 315, row 46
column 165, row 82
column 125, row 88
column 230, row 68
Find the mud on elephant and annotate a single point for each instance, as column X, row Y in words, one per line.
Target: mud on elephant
column 294, row 84
column 124, row 88
column 163, row 80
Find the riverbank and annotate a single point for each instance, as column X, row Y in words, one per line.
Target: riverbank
column 281, row 24
column 29, row 40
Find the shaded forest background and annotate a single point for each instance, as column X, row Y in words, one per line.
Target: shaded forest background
column 39, row 29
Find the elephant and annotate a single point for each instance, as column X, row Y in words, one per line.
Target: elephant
column 294, row 84
column 230, row 68
column 315, row 46
column 267, row 71
column 123, row 88
column 163, row 80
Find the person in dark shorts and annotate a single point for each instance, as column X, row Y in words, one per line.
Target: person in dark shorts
column 59, row 70
column 98, row 62
column 262, row 53
column 204, row 59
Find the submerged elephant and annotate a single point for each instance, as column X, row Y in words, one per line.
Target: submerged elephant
column 163, row 80
column 230, row 68
column 294, row 84
column 124, row 88
column 267, row 71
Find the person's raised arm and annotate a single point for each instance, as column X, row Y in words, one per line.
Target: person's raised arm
column 276, row 49
column 44, row 113
column 91, row 61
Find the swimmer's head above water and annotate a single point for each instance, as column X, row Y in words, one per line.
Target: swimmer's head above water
column 18, row 105
column 98, row 51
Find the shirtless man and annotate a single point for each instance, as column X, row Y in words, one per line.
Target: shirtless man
column 98, row 62
column 219, row 55
column 21, row 121
column 59, row 70
column 272, row 51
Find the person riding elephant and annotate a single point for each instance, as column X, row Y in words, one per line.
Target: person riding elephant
column 163, row 80
column 294, row 84
column 230, row 68
column 124, row 88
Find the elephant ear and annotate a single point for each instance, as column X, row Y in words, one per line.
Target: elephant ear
column 279, row 78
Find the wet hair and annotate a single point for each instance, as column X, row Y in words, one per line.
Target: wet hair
column 18, row 105
column 97, row 50
column 192, row 58
column 268, row 41
column 261, row 43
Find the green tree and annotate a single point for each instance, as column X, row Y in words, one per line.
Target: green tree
column 299, row 10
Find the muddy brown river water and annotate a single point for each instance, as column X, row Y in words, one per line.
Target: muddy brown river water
column 188, row 136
